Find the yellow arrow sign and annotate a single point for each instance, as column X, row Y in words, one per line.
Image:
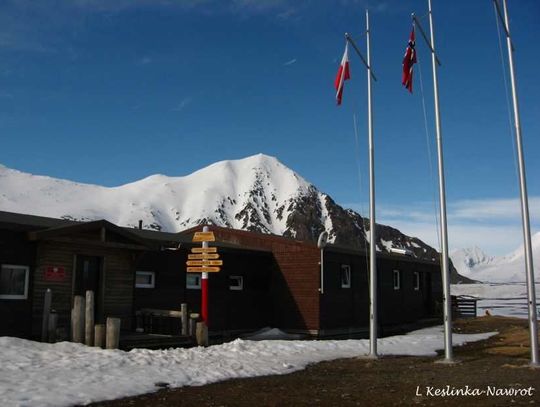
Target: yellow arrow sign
column 204, row 250
column 203, row 269
column 203, row 237
column 203, row 256
column 204, row 262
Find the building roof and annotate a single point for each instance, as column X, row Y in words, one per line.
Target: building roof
column 42, row 227
column 248, row 234
column 159, row 239
column 78, row 227
column 19, row 221
column 383, row 255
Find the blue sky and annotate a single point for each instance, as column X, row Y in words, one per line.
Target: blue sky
column 109, row 92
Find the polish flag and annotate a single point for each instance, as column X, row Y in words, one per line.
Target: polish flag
column 408, row 61
column 342, row 75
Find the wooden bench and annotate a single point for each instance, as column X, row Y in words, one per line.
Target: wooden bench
column 159, row 321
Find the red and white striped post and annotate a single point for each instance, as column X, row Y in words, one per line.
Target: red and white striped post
column 204, row 288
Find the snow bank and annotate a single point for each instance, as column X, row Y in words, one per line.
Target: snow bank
column 271, row 334
column 62, row 374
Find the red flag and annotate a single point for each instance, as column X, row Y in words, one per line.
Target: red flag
column 342, row 75
column 408, row 61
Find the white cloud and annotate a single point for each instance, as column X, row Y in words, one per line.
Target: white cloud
column 290, row 62
column 494, row 209
column 182, row 105
column 494, row 225
column 144, row 61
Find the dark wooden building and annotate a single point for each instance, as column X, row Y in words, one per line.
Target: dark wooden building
column 409, row 289
column 38, row 253
column 239, row 295
column 266, row 280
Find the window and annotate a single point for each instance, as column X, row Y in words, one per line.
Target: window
column 14, row 282
column 236, row 283
column 397, row 282
column 193, row 281
column 416, row 276
column 145, row 279
column 345, row 276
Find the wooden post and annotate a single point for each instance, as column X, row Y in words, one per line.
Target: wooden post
column 46, row 311
column 89, row 319
column 78, row 319
column 193, row 318
column 99, row 335
column 113, row 333
column 53, row 322
column 202, row 334
column 185, row 321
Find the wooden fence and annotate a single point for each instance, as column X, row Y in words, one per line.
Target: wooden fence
column 463, row 307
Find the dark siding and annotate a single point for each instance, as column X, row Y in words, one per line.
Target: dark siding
column 295, row 282
column 406, row 304
column 249, row 308
column 170, row 275
column 117, row 281
column 344, row 307
column 16, row 314
column 50, row 254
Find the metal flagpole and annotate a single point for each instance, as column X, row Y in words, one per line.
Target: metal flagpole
column 442, row 195
column 372, row 234
column 372, row 238
column 531, row 295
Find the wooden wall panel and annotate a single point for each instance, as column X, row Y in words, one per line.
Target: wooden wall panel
column 228, row 309
column 295, row 282
column 16, row 314
column 117, row 282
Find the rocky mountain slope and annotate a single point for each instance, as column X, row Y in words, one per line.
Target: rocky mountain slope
column 257, row 193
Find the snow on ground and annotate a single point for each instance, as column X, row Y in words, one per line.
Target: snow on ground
column 508, row 299
column 63, row 374
column 271, row 333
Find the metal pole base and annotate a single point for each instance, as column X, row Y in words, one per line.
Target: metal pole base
column 447, row 361
column 369, row 357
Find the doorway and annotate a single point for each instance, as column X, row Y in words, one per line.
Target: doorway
column 88, row 276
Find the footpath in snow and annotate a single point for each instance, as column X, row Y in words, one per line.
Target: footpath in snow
column 63, row 374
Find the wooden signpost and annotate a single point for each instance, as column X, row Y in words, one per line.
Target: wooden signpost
column 204, row 263
column 204, row 250
column 203, row 237
column 204, row 260
column 203, row 256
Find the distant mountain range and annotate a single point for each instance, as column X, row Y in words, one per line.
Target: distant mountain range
column 477, row 265
column 257, row 193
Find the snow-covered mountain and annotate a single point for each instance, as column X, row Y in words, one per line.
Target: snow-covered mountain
column 257, row 193
column 475, row 264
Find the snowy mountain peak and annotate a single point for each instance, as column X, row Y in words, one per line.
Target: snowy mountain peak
column 475, row 264
column 519, row 252
column 470, row 257
column 257, row 193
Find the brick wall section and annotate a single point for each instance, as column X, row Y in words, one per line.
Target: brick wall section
column 295, row 286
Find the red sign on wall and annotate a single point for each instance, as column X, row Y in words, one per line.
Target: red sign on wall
column 53, row 273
